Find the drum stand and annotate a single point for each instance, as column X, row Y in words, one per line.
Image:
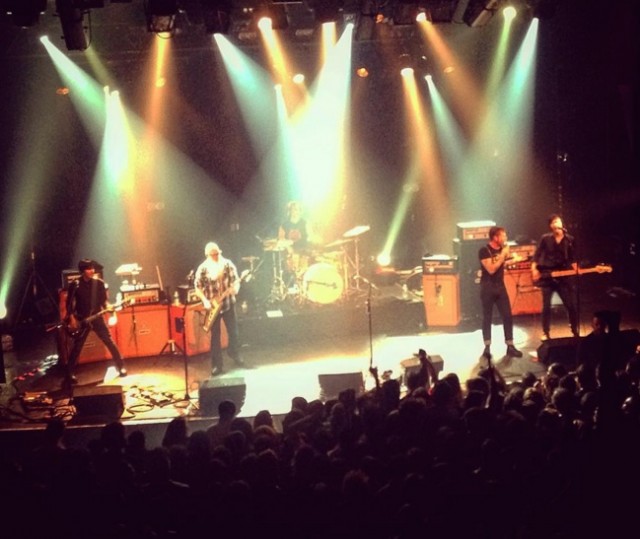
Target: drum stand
column 278, row 287
column 356, row 278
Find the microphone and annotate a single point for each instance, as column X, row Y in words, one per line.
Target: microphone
column 564, row 230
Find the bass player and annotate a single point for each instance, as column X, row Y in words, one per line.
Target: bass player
column 556, row 251
column 86, row 301
column 216, row 284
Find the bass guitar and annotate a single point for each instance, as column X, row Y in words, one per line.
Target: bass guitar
column 216, row 304
column 75, row 327
column 545, row 276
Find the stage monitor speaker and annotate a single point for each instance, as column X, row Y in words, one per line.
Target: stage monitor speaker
column 563, row 350
column 441, row 295
column 525, row 298
column 143, row 330
column 215, row 390
column 332, row 384
column 101, row 403
column 413, row 364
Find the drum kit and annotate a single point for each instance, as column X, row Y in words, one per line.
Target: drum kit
column 319, row 276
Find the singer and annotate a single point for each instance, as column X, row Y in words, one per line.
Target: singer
column 556, row 251
column 493, row 290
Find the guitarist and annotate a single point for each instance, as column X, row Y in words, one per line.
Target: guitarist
column 555, row 252
column 216, row 284
column 88, row 296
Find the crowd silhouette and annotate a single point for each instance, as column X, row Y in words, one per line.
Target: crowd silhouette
column 550, row 457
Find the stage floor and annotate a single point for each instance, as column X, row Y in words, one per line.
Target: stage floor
column 285, row 357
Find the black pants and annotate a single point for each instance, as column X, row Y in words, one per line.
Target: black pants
column 233, row 349
column 490, row 295
column 103, row 333
column 566, row 290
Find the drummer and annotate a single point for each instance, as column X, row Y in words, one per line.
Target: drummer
column 294, row 227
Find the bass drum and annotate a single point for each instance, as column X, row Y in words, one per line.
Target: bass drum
column 322, row 284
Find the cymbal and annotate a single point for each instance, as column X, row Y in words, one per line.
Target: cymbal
column 356, row 231
column 250, row 258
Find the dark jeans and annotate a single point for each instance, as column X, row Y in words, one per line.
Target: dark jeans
column 566, row 290
column 491, row 295
column 102, row 331
column 231, row 323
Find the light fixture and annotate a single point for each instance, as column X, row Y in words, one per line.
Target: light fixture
column 216, row 15
column 77, row 36
column 161, row 15
column 479, row 12
column 24, row 13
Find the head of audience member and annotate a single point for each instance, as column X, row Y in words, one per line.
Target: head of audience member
column 586, row 377
column 564, row 401
column 390, row 394
column 474, row 399
column 177, row 432
column 243, row 425
column 226, row 411
column 113, row 437
column 299, row 403
column 528, row 379
column 263, row 417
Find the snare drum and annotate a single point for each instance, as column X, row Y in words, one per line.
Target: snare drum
column 298, row 263
column 322, row 284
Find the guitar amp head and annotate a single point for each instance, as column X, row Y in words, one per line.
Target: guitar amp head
column 141, row 295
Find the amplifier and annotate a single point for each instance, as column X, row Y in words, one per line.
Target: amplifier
column 439, row 264
column 523, row 250
column 187, row 295
column 141, row 294
column 474, row 230
column 70, row 275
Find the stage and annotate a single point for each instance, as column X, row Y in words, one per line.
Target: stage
column 311, row 352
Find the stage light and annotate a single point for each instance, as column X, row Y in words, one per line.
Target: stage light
column 298, row 78
column 479, row 12
column 77, row 36
column 275, row 13
column 326, row 10
column 216, row 15
column 161, row 15
column 24, row 13
column 383, row 259
column 509, row 13
column 362, row 72
column 405, row 12
column 3, row 311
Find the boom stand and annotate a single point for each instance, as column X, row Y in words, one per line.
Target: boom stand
column 172, row 348
column 32, row 286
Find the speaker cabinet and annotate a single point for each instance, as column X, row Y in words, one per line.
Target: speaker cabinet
column 186, row 330
column 93, row 349
column 332, row 384
column 101, row 403
column 525, row 298
column 413, row 364
column 441, row 295
column 469, row 267
column 143, row 330
column 563, row 350
column 215, row 390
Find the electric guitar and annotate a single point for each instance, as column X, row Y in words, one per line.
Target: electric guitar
column 74, row 327
column 216, row 304
column 545, row 276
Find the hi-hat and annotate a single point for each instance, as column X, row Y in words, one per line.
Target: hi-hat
column 356, row 231
column 276, row 244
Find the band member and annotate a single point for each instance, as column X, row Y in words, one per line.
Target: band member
column 294, row 227
column 555, row 251
column 493, row 291
column 86, row 297
column 217, row 283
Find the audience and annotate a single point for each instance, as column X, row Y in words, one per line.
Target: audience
column 550, row 457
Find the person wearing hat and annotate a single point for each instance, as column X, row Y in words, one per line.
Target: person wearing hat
column 216, row 284
column 88, row 296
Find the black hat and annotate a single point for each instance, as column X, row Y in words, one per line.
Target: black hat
column 85, row 264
